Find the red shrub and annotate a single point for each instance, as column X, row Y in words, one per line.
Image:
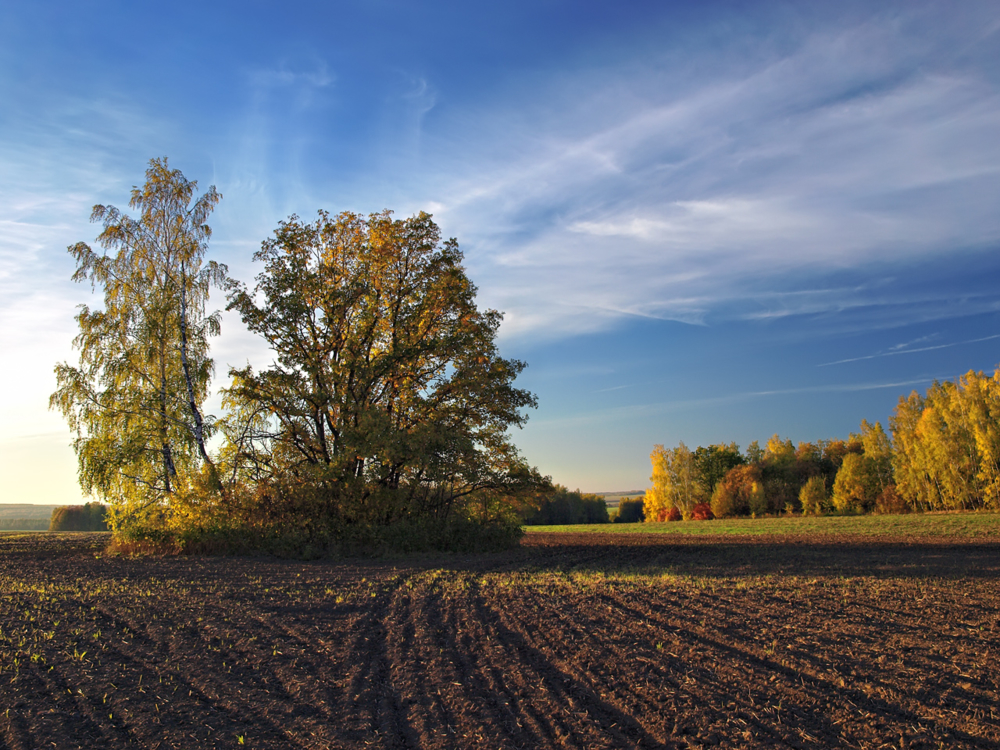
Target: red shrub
column 702, row 512
column 674, row 514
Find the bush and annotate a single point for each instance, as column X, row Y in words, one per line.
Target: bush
column 702, row 512
column 891, row 502
column 311, row 541
column 630, row 511
column 674, row 514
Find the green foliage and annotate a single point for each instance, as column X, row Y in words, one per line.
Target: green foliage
column 630, row 510
column 714, row 461
column 560, row 506
column 88, row 517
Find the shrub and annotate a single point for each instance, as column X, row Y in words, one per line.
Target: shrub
column 310, row 542
column 702, row 512
column 565, row 507
column 674, row 514
column 891, row 502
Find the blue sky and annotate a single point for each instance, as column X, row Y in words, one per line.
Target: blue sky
column 704, row 222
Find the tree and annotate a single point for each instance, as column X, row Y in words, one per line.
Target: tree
column 878, row 455
column 388, row 401
column 947, row 444
column 135, row 398
column 755, row 454
column 714, row 461
column 854, row 490
column 781, row 472
column 740, row 492
column 89, row 517
column 813, row 496
column 630, row 510
column 676, row 483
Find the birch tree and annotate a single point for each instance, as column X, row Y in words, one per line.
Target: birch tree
column 135, row 398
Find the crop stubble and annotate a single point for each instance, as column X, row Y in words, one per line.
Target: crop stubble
column 585, row 641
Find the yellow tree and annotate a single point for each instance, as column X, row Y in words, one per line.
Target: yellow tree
column 982, row 396
column 878, row 454
column 676, row 483
column 135, row 398
column 913, row 481
column 853, row 489
column 813, row 496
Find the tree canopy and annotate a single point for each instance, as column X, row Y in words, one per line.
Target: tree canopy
column 388, row 400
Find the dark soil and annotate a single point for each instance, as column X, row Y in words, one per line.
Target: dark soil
column 587, row 641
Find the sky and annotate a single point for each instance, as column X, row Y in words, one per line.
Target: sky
column 704, row 222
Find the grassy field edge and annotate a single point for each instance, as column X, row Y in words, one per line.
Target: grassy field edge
column 940, row 524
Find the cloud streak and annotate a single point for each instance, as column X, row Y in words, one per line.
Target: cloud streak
column 852, row 149
column 896, row 352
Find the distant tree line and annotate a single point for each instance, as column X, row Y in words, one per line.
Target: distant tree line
column 89, row 517
column 943, row 454
column 24, row 524
column 560, row 506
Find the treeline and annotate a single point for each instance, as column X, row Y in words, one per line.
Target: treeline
column 558, row 506
column 561, row 506
column 89, row 517
column 943, row 454
column 24, row 524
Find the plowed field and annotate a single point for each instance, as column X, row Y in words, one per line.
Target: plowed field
column 583, row 641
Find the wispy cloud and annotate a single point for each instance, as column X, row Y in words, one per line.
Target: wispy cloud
column 635, row 412
column 858, row 147
column 894, row 351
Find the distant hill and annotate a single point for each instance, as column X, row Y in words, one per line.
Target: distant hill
column 26, row 510
column 614, row 498
column 25, row 517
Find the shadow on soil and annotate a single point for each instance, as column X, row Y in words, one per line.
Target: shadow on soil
column 726, row 558
column 648, row 554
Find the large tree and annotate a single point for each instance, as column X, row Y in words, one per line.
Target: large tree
column 135, row 397
column 388, row 399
